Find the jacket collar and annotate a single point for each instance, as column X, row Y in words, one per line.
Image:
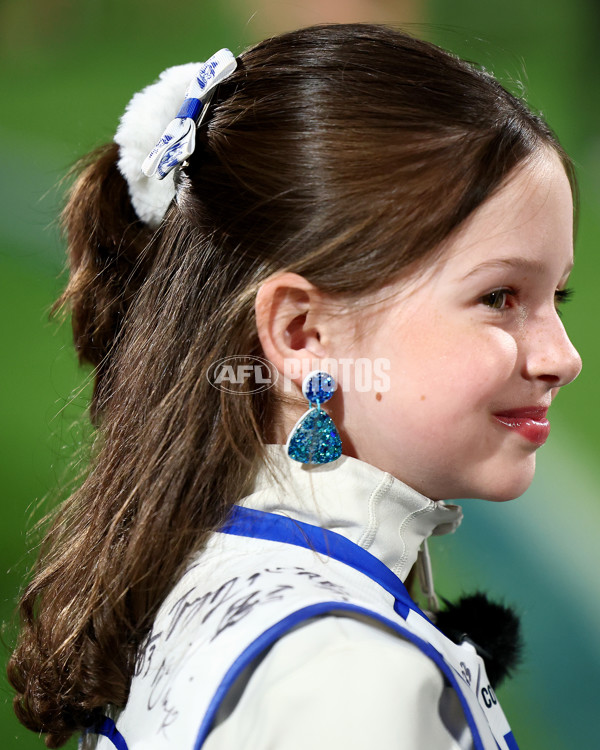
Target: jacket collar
column 366, row 505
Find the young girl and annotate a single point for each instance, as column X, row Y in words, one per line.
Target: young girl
column 327, row 304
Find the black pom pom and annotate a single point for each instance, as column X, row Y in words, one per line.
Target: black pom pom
column 492, row 628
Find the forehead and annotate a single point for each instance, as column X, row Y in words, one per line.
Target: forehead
column 529, row 219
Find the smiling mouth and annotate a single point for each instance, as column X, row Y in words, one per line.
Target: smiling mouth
column 528, row 422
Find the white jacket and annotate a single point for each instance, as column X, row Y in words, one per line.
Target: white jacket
column 332, row 682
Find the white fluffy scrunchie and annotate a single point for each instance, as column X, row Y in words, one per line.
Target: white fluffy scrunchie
column 157, row 132
column 142, row 124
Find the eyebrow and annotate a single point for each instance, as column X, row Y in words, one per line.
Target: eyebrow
column 516, row 263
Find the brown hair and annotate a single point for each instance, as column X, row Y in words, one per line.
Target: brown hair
column 343, row 153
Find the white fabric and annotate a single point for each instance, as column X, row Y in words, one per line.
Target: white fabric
column 334, row 682
column 366, row 505
column 148, row 118
column 142, row 124
column 340, row 683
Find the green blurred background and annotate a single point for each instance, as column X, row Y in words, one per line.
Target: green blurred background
column 68, row 69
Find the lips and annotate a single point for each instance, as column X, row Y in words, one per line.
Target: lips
column 528, row 421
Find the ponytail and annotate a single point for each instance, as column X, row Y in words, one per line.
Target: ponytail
column 107, row 259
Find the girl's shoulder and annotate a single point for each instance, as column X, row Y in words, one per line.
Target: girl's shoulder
column 340, row 682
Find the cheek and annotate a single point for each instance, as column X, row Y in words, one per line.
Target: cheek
column 448, row 369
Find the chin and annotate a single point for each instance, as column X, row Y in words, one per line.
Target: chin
column 503, row 497
column 509, row 487
column 505, row 483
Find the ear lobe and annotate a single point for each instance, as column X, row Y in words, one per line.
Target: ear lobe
column 289, row 314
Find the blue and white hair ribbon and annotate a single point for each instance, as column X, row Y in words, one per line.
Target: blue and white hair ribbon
column 142, row 124
column 178, row 141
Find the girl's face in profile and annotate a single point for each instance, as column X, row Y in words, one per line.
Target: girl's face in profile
column 477, row 349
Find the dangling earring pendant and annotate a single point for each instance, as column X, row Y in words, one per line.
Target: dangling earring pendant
column 315, row 439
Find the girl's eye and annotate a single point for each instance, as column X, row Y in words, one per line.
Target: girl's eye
column 497, row 299
column 561, row 296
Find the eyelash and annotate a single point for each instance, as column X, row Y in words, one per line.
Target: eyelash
column 560, row 296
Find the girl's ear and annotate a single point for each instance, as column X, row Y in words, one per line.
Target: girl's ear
column 292, row 323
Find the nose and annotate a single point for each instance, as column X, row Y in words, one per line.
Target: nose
column 551, row 355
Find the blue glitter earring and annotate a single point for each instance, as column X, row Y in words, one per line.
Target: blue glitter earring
column 315, row 439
